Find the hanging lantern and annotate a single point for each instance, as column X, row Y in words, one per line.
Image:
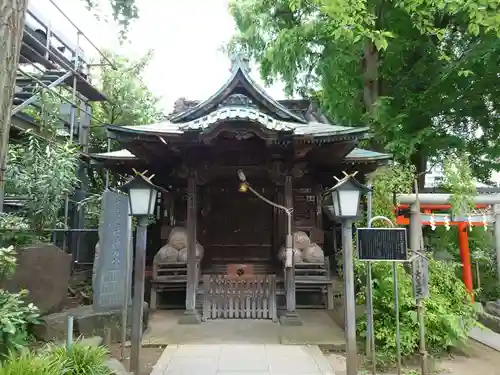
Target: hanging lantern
column 343, row 201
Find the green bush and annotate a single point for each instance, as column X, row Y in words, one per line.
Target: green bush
column 16, row 315
column 449, row 313
column 56, row 360
column 15, row 231
column 483, row 258
column 80, row 360
column 28, row 364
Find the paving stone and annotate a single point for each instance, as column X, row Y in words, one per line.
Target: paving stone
column 243, row 363
column 293, row 365
column 274, row 351
column 192, row 366
column 242, row 360
column 199, row 351
column 251, row 350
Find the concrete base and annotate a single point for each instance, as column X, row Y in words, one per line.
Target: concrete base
column 190, row 317
column 242, row 359
column 317, row 329
column 290, row 320
column 87, row 323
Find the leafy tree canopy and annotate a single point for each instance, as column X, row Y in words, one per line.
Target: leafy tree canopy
column 129, row 102
column 123, row 11
column 431, row 68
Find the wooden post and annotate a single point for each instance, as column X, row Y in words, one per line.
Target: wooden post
column 291, row 317
column 191, row 316
column 463, row 240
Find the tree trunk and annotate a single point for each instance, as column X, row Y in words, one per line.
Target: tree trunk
column 419, row 160
column 370, row 65
column 11, row 34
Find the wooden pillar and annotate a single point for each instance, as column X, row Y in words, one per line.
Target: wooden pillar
column 291, row 317
column 191, row 316
column 463, row 240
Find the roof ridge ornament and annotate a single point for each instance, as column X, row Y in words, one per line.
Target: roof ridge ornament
column 240, row 60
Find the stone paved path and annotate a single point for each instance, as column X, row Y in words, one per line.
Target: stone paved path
column 255, row 359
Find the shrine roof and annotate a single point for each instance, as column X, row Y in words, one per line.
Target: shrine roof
column 242, row 99
column 234, row 113
column 362, row 154
column 241, row 83
column 356, row 155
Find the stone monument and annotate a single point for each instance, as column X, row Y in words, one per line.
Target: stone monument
column 115, row 239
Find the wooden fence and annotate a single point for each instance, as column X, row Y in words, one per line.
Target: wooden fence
column 250, row 297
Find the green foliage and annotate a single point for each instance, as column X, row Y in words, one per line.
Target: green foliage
column 432, row 67
column 55, row 360
column 386, row 181
column 15, row 231
column 27, row 363
column 448, row 312
column 123, row 11
column 130, row 102
column 458, row 180
column 483, row 257
column 7, row 261
column 16, row 316
column 43, row 171
column 80, row 360
column 16, row 319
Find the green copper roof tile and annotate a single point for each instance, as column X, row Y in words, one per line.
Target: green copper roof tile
column 362, row 154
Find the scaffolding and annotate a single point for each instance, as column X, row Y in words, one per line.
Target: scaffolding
column 53, row 62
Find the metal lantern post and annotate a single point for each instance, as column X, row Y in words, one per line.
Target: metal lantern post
column 343, row 202
column 142, row 198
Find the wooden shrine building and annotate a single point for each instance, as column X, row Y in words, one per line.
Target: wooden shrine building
column 289, row 153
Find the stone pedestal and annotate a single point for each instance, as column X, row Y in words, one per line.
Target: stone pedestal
column 493, row 308
column 190, row 317
column 290, row 319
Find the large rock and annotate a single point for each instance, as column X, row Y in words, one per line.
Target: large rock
column 87, row 323
column 183, row 253
column 52, row 327
column 313, row 254
column 167, row 253
column 297, row 255
column 301, row 240
column 116, row 367
column 44, row 270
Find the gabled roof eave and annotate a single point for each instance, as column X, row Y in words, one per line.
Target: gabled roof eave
column 239, row 75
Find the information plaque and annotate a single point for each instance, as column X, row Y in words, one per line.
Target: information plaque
column 382, row 244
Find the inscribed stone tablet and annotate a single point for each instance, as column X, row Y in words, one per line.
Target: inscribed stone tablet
column 114, row 241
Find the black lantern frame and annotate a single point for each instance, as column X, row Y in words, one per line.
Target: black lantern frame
column 335, row 199
column 141, row 182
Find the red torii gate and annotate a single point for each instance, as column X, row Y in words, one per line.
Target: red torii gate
column 429, row 203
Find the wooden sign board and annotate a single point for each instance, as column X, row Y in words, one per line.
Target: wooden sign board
column 420, row 276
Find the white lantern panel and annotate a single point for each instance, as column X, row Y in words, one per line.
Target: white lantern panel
column 349, row 202
column 336, row 203
column 140, row 201
column 152, row 203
